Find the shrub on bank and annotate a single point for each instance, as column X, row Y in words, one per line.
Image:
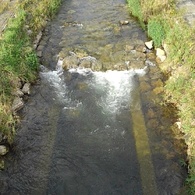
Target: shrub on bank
column 166, row 26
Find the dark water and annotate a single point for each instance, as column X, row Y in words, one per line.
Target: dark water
column 85, row 132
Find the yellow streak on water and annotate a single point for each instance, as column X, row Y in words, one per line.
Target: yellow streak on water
column 143, row 149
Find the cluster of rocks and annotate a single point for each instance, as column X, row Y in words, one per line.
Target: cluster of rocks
column 21, row 93
column 160, row 53
column 74, row 61
column 132, row 57
column 3, row 150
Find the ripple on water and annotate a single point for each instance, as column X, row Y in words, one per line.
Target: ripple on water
column 77, row 134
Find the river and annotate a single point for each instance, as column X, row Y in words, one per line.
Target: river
column 95, row 132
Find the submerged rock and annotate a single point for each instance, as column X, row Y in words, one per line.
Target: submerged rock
column 2, row 164
column 85, row 63
column 144, row 86
column 128, row 48
column 75, row 61
column 96, row 66
column 124, row 22
column 1, row 137
column 141, row 48
column 70, row 62
column 151, row 56
column 120, row 66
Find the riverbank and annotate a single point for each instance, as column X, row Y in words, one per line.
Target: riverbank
column 21, row 22
column 170, row 31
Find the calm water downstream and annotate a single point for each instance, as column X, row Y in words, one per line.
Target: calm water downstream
column 94, row 132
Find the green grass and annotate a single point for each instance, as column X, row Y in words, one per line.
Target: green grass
column 16, row 55
column 39, row 12
column 167, row 27
column 135, row 8
column 17, row 60
column 156, row 31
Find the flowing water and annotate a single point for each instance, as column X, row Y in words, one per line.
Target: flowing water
column 88, row 132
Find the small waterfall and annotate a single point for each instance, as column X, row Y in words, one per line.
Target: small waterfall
column 114, row 87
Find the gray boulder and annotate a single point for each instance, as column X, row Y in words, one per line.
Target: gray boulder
column 3, row 150
column 26, row 88
column 17, row 104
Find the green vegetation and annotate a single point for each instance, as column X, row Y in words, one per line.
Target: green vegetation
column 39, row 12
column 156, row 31
column 135, row 7
column 18, row 59
column 166, row 26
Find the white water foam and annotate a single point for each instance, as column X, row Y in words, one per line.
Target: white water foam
column 118, row 87
column 56, row 80
column 114, row 87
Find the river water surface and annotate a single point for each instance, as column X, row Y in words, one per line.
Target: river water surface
column 88, row 132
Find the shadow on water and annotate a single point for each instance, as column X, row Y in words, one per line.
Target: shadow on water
column 99, row 148
column 167, row 146
column 85, row 132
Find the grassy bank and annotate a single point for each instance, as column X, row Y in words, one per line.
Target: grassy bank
column 166, row 26
column 18, row 60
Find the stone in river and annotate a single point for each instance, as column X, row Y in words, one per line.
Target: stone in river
column 3, row 150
